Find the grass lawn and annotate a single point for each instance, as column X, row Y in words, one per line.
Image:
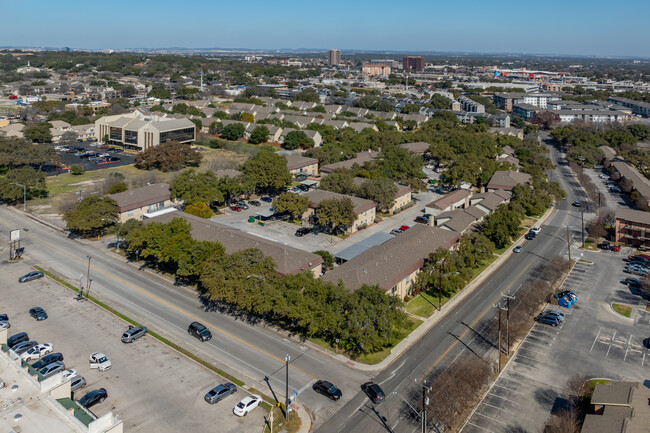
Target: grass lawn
column 292, row 425
column 624, row 310
column 424, row 304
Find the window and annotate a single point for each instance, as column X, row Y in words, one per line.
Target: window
column 115, row 133
column 177, row 135
column 130, row 137
column 130, row 213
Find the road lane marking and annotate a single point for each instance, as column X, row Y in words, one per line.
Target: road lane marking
column 152, row 296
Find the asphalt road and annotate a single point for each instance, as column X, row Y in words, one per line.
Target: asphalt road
column 458, row 328
column 239, row 348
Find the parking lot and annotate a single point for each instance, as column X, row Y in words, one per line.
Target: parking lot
column 593, row 340
column 69, row 158
column 150, row 386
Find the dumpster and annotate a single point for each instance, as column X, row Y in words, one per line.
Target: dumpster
column 261, row 223
column 251, row 219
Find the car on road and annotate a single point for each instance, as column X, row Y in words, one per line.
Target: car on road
column 421, row 219
column 302, row 231
column 404, row 228
column 267, row 199
column 536, row 230
column 373, row 391
column 23, row 346
column 396, row 232
column 247, row 404
column 199, row 331
column 220, row 392
column 576, row 203
column 93, row 397
column 38, row 313
column 51, row 369
column 327, row 389
column 17, row 338
column 235, row 208
column 530, row 235
column 48, row 359
column 77, row 382
column 132, row 334
column 547, row 319
column 36, row 352
column 33, row 275
column 632, row 282
column 242, row 205
column 99, row 361
column 518, row 249
column 255, row 203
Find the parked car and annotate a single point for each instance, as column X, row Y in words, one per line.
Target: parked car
column 267, row 199
column 99, row 361
column 373, row 391
column 404, row 228
column 235, row 208
column 303, row 187
column 555, row 313
column 518, row 249
column 23, row 346
column 254, row 203
column 17, row 338
column 4, row 324
column 633, row 282
column 199, row 331
column 51, row 369
column 247, row 404
column 615, row 247
column 69, row 373
column 547, row 319
column 396, row 232
column 30, row 276
column 220, row 392
column 36, row 352
column 93, row 397
column 302, row 231
column 4, row 317
column 421, row 219
column 48, row 359
column 530, row 235
column 38, row 313
column 576, row 203
column 132, row 334
column 536, row 230
column 242, row 205
column 598, row 167
column 77, row 382
column 604, row 245
column 327, row 389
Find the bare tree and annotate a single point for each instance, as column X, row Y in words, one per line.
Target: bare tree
column 566, row 421
column 69, row 137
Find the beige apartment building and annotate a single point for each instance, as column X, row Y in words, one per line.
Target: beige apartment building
column 145, row 202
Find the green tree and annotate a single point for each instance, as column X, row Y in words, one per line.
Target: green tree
column 382, row 191
column 307, row 95
column 335, row 213
column 296, row 139
column 76, row 169
column 168, row 156
column 439, row 102
column 340, row 181
column 233, row 132
column 267, row 171
column 247, row 117
column 294, row 204
column 39, row 133
column 34, row 182
column 199, row 209
column 193, row 186
column 91, row 215
column 328, row 259
column 118, row 187
column 259, row 135
column 68, row 138
column 158, row 91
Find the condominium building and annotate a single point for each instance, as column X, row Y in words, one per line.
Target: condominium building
column 413, row 63
column 334, row 57
column 506, row 101
column 638, row 107
column 141, row 131
column 376, row 69
column 468, row 104
column 633, row 227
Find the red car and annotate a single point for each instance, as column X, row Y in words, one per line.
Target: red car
column 615, row 247
column 235, row 208
column 404, row 228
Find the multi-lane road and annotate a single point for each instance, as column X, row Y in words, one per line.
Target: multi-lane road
column 254, row 352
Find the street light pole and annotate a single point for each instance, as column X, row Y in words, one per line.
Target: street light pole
column 286, row 407
column 568, row 243
column 440, row 270
column 24, row 195
column 582, row 213
column 88, row 277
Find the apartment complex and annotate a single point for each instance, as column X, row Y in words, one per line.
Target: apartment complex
column 470, row 105
column 632, row 227
column 145, row 202
column 506, row 101
column 364, row 209
column 413, row 63
column 334, row 57
column 376, row 70
column 638, row 107
column 139, row 131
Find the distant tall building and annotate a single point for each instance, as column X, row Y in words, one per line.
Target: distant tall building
column 334, row 57
column 412, row 63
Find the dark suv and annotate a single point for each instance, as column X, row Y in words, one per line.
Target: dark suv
column 373, row 391
column 199, row 331
column 17, row 338
column 48, row 359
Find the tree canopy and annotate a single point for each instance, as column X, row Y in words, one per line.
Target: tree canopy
column 168, row 156
column 91, row 215
column 267, row 171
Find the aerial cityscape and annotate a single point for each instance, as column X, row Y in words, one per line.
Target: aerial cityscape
column 332, row 218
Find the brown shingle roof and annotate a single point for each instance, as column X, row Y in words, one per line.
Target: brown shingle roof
column 640, row 183
column 507, row 180
column 139, row 197
column 298, row 161
column 446, row 200
column 389, row 263
column 288, row 260
column 361, row 158
column 318, row 195
column 637, row 216
column 419, row 147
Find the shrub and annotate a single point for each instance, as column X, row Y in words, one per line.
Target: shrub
column 76, row 169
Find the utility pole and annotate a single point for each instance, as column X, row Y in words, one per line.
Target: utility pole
column 286, row 407
column 425, row 402
column 88, row 277
column 568, row 243
column 441, row 268
column 508, row 298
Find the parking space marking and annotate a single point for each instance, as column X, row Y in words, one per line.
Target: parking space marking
column 503, row 398
column 509, row 389
column 527, row 357
column 482, row 428
column 534, row 343
column 610, row 344
column 497, row 407
column 489, row 417
column 627, row 348
column 539, row 330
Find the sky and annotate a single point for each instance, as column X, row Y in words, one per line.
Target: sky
column 568, row 27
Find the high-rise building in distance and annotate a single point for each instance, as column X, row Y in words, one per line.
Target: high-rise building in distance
column 412, row 63
column 334, row 57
